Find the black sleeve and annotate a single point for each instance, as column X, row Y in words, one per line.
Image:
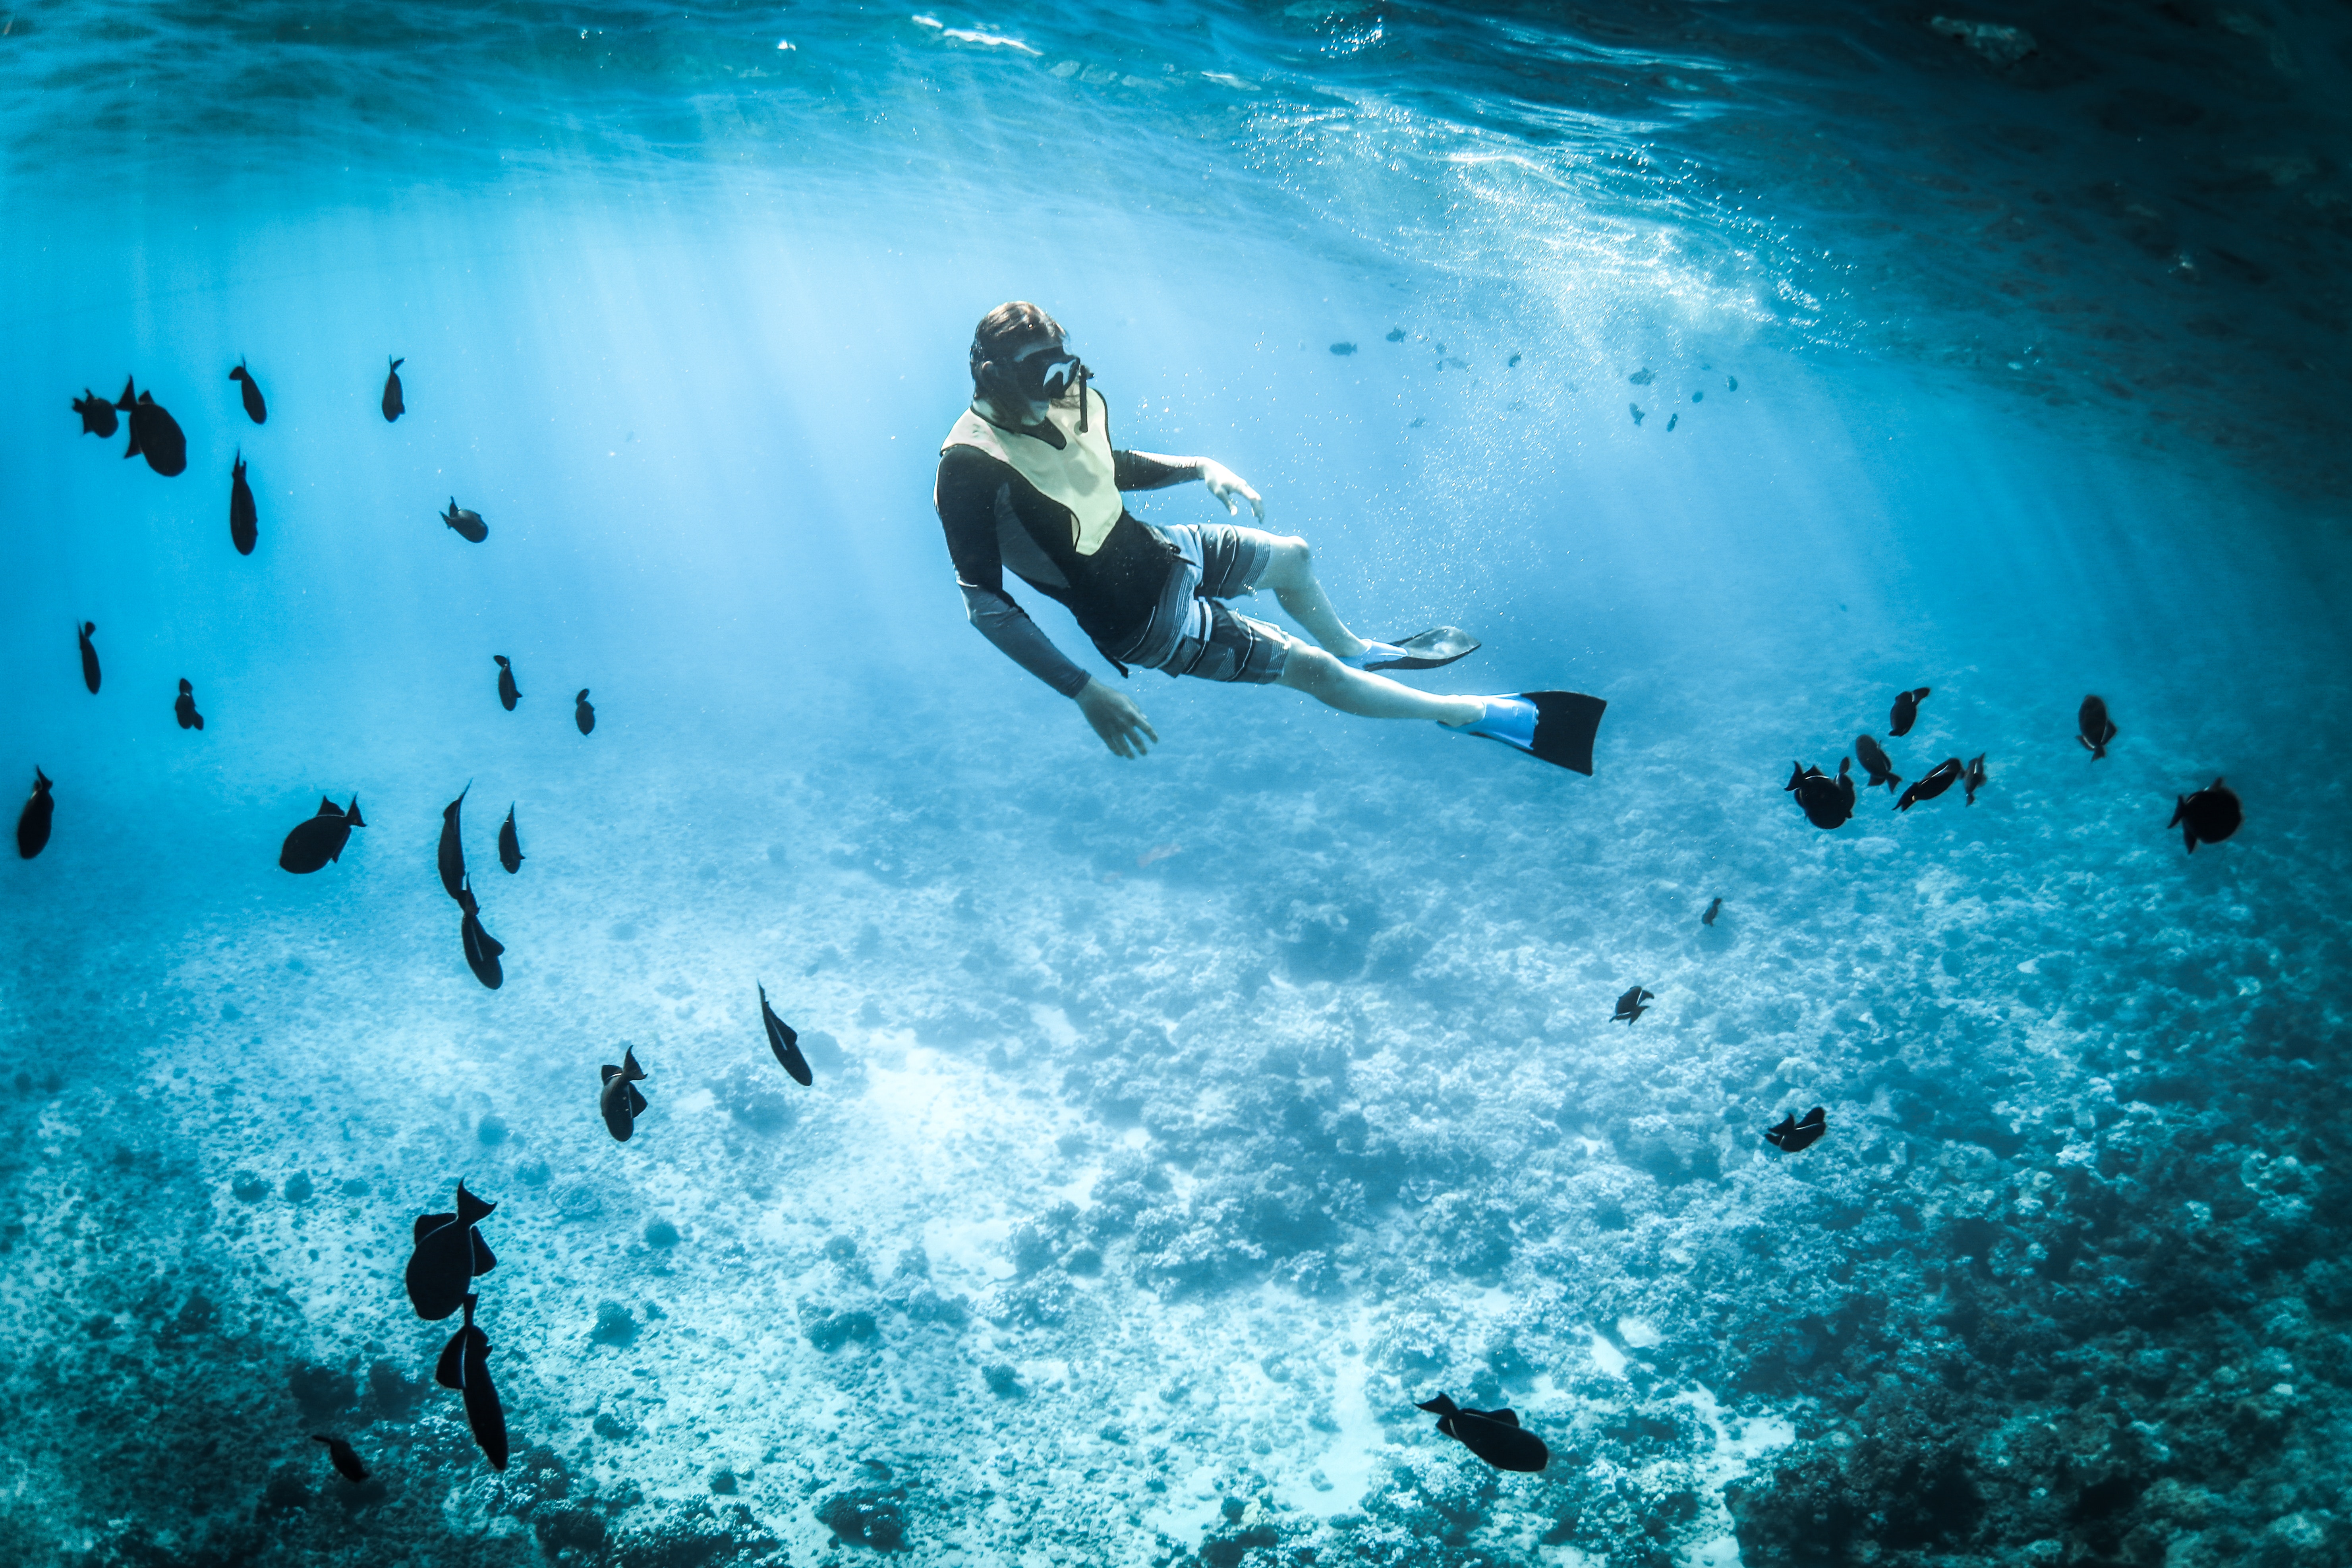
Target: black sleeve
column 965, row 493
column 1140, row 471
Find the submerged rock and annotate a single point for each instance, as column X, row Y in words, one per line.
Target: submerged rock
column 870, row 1518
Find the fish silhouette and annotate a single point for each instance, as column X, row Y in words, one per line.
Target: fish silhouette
column 2208, row 815
column 1938, row 779
column 392, row 406
column 508, row 693
column 184, row 709
column 509, row 847
column 1343, row 350
column 468, row 525
column 1630, row 1005
column 465, row 1365
column 33, row 822
column 1906, row 711
column 340, row 1454
column 1396, row 334
column 89, row 656
column 1827, row 803
column 1713, row 910
column 255, row 408
column 1790, row 1134
column 97, row 414
column 1875, row 762
column 1494, row 1436
column 154, row 434
column 618, row 1101
column 452, row 856
column 784, row 1043
column 1643, row 376
column 1673, row 420
column 2092, row 727
column 322, row 839
column 1636, row 409
column 482, row 949
column 1974, row 778
column 582, row 713
column 244, row 526
column 449, row 1252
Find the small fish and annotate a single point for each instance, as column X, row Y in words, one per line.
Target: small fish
column 1713, row 910
column 1630, row 1005
column 244, row 523
column 1699, row 396
column 2206, row 817
column 1906, row 711
column 509, row 694
column 89, row 656
column 392, row 406
column 1417, row 423
column 619, row 1101
column 482, row 949
column 340, row 1454
column 1158, row 852
column 1396, row 334
column 1636, row 409
column 1974, row 778
column 784, row 1043
column 1735, row 384
column 1513, row 362
column 320, row 840
column 1938, row 779
column 1642, row 377
column 1790, row 1134
column 184, row 709
column 1827, row 803
column 1343, row 350
column 255, row 408
column 582, row 713
column 509, row 847
column 33, row 822
column 97, row 414
column 1874, row 763
column 468, row 525
column 465, row 1365
column 2092, row 727
column 449, row 1252
column 1494, row 1436
column 1673, row 420
column 154, row 434
column 453, row 849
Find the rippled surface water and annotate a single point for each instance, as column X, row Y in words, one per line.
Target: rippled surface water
column 1179, row 1124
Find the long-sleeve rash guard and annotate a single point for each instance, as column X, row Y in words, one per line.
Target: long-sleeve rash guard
column 995, row 519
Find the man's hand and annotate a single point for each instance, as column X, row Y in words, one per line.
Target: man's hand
column 1116, row 719
column 1224, row 484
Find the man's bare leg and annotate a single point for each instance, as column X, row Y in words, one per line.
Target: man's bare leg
column 1324, row 679
column 1291, row 576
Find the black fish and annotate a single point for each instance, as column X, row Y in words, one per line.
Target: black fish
column 784, row 1043
column 243, row 527
column 33, row 822
column 1827, row 803
column 1494, row 1436
column 1974, row 778
column 154, row 434
column 468, row 525
column 1938, row 779
column 509, row 847
column 1673, row 420
column 184, row 709
column 255, row 410
column 1636, row 409
column 482, row 949
column 582, row 713
column 508, row 693
column 453, row 849
column 322, row 839
column 2092, row 727
column 89, row 656
column 2206, row 817
column 97, row 414
column 1343, row 350
column 393, row 406
column 449, row 1252
column 619, row 1101
column 338, row 1452
column 1905, row 710
column 1628, row 1005
column 1875, row 762
column 1713, row 910
column 1396, row 334
column 465, row 1365
column 1791, row 1134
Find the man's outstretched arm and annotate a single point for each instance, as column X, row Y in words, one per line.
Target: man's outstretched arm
column 1154, row 471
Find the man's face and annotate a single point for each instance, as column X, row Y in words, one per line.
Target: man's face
column 1042, row 371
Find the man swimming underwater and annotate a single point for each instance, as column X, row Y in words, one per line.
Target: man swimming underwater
column 1028, row 478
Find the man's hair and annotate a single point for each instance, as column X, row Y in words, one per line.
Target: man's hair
column 1004, row 331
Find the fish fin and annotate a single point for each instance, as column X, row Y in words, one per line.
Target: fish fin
column 199, row 721
column 129, row 399
column 471, row 1209
column 636, row 1100
column 351, row 814
column 607, row 1073
column 431, row 1222
column 449, row 1372
column 397, row 362
column 1441, row 1405
column 1815, row 1117
column 484, row 1258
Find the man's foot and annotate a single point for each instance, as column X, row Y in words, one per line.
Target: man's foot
column 1555, row 727
column 1510, row 719
column 1423, row 650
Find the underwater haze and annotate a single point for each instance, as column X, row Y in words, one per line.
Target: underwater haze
column 1179, row 1124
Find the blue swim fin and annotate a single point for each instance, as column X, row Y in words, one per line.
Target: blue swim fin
column 1430, row 649
column 1555, row 727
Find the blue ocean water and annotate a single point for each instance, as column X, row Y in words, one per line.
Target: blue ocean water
column 1180, row 1124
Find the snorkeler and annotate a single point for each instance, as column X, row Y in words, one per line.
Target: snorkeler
column 1028, row 479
